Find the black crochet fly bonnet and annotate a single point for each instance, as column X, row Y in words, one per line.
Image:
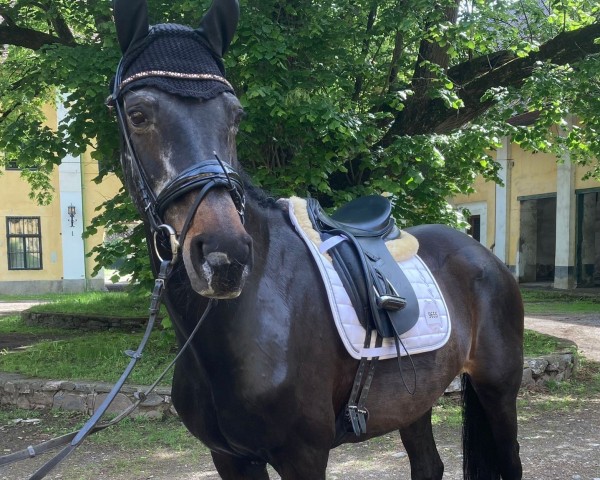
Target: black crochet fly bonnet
column 174, row 58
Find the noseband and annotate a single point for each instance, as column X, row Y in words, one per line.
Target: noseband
column 204, row 176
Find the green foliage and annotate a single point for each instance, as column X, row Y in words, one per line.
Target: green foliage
column 343, row 98
column 125, row 242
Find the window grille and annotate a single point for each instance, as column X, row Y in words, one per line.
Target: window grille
column 24, row 240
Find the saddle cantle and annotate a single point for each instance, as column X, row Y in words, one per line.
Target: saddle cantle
column 355, row 238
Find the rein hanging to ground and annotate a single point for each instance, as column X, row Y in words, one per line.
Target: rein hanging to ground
column 74, row 439
column 204, row 176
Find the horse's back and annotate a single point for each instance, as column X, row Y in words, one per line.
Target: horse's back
column 457, row 259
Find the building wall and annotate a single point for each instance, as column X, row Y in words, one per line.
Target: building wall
column 484, row 194
column 532, row 175
column 15, row 202
column 541, row 197
column 65, row 266
column 94, row 195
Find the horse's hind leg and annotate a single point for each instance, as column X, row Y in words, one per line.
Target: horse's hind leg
column 490, row 442
column 235, row 468
column 425, row 462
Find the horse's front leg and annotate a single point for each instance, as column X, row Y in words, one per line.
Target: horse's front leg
column 236, row 468
column 425, row 462
column 301, row 462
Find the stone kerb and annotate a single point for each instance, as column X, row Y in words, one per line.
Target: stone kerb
column 81, row 321
column 548, row 368
column 30, row 393
column 555, row 367
column 33, row 394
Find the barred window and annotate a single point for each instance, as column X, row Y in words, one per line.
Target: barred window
column 24, row 240
column 13, row 165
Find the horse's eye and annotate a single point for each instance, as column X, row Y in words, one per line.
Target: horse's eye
column 241, row 114
column 137, row 118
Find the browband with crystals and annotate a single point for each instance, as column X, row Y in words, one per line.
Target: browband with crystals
column 183, row 76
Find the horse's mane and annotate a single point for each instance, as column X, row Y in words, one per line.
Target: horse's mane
column 263, row 198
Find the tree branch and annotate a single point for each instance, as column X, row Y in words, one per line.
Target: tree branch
column 358, row 84
column 12, row 34
column 432, row 116
column 62, row 29
column 27, row 38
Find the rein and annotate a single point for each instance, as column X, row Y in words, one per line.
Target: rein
column 74, row 439
column 204, row 176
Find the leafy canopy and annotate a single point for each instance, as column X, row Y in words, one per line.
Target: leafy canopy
column 343, row 98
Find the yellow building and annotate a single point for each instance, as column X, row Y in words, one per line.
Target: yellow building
column 41, row 247
column 544, row 222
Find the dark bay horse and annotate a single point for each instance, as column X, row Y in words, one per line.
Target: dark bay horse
column 266, row 379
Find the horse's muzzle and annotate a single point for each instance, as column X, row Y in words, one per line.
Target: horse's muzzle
column 218, row 267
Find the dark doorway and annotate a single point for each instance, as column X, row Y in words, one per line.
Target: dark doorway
column 537, row 242
column 475, row 227
column 588, row 239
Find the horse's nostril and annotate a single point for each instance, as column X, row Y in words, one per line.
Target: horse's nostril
column 216, row 259
column 220, row 252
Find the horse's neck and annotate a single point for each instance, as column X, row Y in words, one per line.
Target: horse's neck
column 267, row 225
column 269, row 228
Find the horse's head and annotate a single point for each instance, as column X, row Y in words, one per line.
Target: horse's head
column 178, row 116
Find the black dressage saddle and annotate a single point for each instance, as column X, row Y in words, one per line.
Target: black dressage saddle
column 355, row 236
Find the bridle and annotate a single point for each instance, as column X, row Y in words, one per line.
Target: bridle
column 204, row 176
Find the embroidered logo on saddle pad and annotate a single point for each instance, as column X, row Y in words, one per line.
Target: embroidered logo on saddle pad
column 431, row 331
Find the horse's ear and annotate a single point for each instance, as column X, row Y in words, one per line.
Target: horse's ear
column 131, row 20
column 218, row 25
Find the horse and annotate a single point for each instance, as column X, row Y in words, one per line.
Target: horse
column 266, row 378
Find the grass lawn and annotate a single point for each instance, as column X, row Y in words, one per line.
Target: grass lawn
column 552, row 302
column 88, row 355
column 99, row 355
column 117, row 304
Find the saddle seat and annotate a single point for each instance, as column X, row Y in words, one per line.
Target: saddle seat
column 369, row 216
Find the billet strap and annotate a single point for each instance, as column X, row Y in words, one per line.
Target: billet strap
column 356, row 407
column 352, row 406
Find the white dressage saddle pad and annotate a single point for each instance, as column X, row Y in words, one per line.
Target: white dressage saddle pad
column 431, row 331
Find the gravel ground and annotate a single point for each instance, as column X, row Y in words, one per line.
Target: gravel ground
column 559, row 437
column 561, row 444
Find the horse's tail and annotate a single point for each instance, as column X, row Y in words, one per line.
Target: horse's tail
column 479, row 448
